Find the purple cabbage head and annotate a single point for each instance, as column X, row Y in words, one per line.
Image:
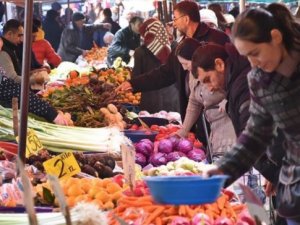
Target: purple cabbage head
column 196, row 154
column 165, row 146
column 174, row 140
column 140, row 159
column 174, row 156
column 158, row 159
column 144, row 147
column 184, row 145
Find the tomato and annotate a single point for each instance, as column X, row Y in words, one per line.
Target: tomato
column 197, row 144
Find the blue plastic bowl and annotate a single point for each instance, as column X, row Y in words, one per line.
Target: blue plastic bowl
column 178, row 190
column 137, row 135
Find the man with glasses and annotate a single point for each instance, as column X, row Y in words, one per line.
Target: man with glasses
column 187, row 21
column 12, row 37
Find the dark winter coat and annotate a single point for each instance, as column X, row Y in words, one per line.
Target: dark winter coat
column 238, row 96
column 154, row 101
column 114, row 26
column 12, row 51
column 70, row 45
column 124, row 41
column 53, row 30
column 172, row 72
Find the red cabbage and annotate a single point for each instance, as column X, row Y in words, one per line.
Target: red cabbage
column 173, row 156
column 140, row 159
column 185, row 146
column 147, row 141
column 179, row 220
column 145, row 148
column 223, row 221
column 165, row 146
column 196, row 154
column 174, row 140
column 158, row 159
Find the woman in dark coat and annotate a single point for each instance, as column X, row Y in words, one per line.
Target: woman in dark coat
column 151, row 54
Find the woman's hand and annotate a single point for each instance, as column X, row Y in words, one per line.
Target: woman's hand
column 210, row 170
column 63, row 119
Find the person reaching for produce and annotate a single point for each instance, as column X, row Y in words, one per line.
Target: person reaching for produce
column 10, row 89
column 270, row 39
column 222, row 134
column 78, row 37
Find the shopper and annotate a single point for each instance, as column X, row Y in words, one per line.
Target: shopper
column 78, row 37
column 10, row 89
column 107, row 14
column 187, row 21
column 271, row 41
column 125, row 41
column 154, row 52
column 53, row 28
column 12, row 36
column 222, row 135
column 42, row 49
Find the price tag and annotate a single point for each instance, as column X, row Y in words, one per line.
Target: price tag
column 62, row 166
column 128, row 160
column 27, row 194
column 61, row 197
column 33, row 144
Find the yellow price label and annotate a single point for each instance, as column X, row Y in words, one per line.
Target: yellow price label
column 33, row 143
column 62, row 166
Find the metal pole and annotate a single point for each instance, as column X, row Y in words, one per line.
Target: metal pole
column 5, row 7
column 68, row 3
column 242, row 4
column 26, row 66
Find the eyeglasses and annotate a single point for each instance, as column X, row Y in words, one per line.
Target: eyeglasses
column 175, row 19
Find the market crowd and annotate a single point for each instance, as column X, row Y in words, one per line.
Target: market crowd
column 237, row 74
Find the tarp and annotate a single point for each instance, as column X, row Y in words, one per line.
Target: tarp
column 22, row 2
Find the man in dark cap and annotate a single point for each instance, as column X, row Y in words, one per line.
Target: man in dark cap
column 56, row 6
column 78, row 37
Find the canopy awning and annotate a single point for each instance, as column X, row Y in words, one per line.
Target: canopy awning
column 22, row 2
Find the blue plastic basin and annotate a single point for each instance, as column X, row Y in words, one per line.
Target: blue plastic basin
column 179, row 190
column 137, row 135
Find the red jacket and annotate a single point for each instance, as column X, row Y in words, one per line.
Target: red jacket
column 43, row 51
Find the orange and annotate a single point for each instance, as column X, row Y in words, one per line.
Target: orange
column 74, row 190
column 86, row 187
column 117, row 195
column 112, row 188
column 109, row 205
column 71, row 201
column 103, row 196
column 94, row 191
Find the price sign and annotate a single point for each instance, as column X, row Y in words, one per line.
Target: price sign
column 33, row 144
column 128, row 160
column 62, row 166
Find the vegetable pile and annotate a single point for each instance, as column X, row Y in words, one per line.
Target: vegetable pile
column 166, row 150
column 143, row 210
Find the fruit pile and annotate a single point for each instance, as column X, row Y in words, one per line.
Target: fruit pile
column 96, row 54
column 103, row 192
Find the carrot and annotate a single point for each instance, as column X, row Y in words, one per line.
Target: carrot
column 238, row 208
column 158, row 221
column 190, row 212
column 171, row 211
column 221, row 201
column 181, row 210
column 154, row 214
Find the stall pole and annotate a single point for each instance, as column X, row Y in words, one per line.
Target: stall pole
column 68, row 3
column 242, row 4
column 5, row 8
column 165, row 11
column 26, row 66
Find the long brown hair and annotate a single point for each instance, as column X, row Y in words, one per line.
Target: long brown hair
column 255, row 25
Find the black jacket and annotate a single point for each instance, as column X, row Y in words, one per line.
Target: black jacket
column 70, row 46
column 53, row 31
column 12, row 51
column 114, row 26
column 172, row 72
column 238, row 96
column 154, row 101
column 124, row 41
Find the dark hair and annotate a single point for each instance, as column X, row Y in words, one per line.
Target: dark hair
column 107, row 13
column 11, row 25
column 186, row 48
column 191, row 9
column 51, row 14
column 37, row 23
column 136, row 19
column 255, row 25
column 205, row 56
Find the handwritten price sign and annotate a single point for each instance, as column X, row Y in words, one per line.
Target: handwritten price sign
column 33, row 144
column 62, row 166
